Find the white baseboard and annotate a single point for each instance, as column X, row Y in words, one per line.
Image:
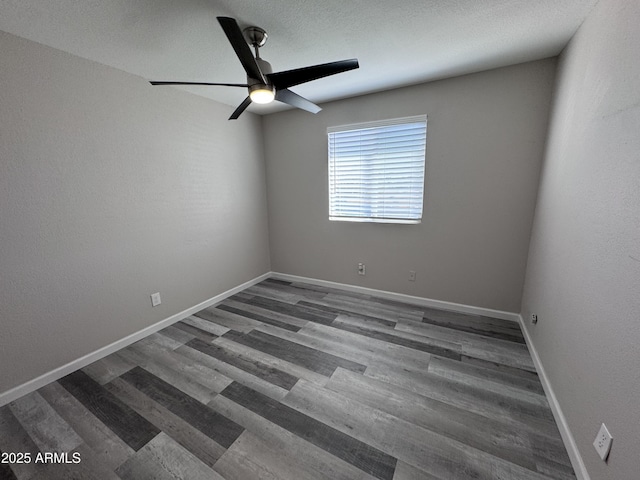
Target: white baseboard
column 425, row 302
column 55, row 374
column 561, row 421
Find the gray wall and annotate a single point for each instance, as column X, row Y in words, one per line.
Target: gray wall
column 110, row 190
column 583, row 275
column 485, row 143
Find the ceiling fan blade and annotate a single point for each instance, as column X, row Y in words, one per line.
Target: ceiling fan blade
column 290, row 78
column 285, row 95
column 153, row 82
column 241, row 47
column 241, row 108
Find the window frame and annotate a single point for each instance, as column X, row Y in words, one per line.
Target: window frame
column 331, row 176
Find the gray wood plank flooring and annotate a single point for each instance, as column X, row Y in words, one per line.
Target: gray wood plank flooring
column 287, row 380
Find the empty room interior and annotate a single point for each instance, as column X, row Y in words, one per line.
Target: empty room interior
column 418, row 258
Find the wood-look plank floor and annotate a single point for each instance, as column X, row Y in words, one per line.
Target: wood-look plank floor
column 295, row 381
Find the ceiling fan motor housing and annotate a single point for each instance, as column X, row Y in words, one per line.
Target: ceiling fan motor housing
column 265, row 67
column 254, row 83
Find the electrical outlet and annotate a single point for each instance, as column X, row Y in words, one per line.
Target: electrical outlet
column 361, row 269
column 534, row 318
column 155, row 299
column 412, row 275
column 602, row 443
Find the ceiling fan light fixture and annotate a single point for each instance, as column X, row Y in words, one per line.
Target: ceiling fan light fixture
column 262, row 93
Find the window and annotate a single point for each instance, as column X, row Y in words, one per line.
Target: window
column 376, row 171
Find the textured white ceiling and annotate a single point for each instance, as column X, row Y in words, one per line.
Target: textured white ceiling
column 397, row 42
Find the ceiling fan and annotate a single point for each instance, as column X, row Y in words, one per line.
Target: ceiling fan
column 263, row 85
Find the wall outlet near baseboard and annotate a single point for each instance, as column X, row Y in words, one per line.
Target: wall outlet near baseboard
column 412, row 275
column 361, row 269
column 602, row 443
column 155, row 299
column 534, row 318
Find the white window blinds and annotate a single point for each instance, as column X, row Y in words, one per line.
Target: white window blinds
column 376, row 171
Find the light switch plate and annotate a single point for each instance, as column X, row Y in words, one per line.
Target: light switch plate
column 155, row 299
